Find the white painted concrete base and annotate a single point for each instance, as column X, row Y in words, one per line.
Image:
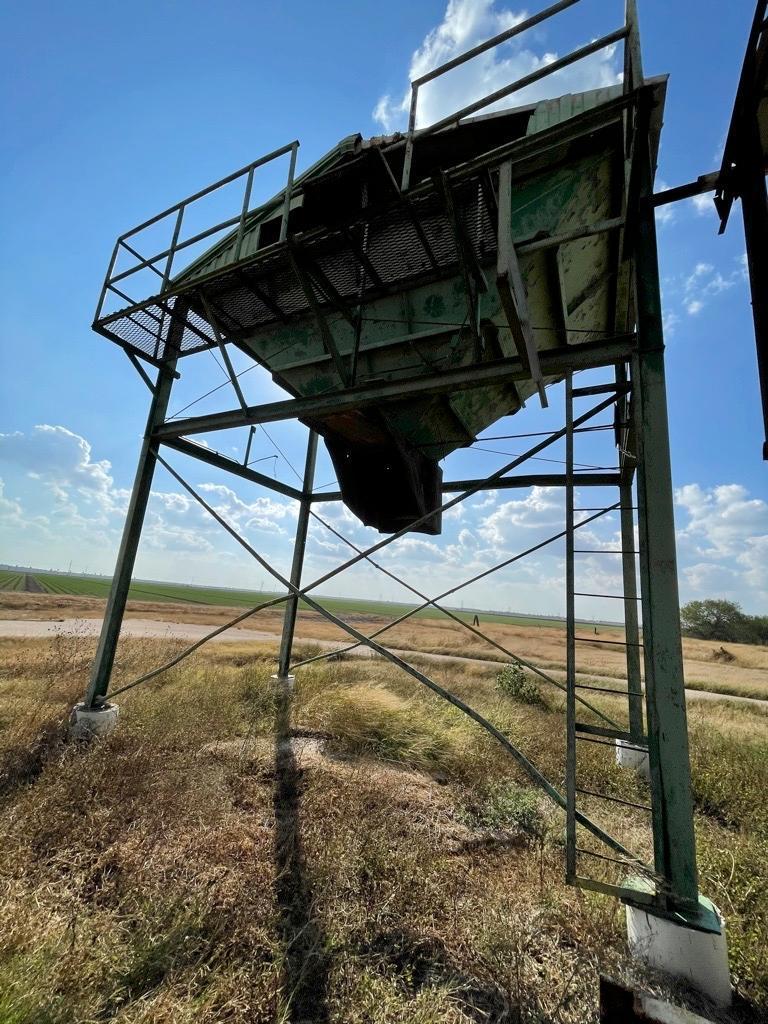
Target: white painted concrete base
column 628, row 757
column 286, row 681
column 698, row 958
column 87, row 723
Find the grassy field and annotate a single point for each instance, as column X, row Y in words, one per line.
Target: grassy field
column 142, row 590
column 11, row 580
column 359, row 852
column 743, row 673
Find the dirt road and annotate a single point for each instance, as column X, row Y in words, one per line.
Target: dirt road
column 151, row 628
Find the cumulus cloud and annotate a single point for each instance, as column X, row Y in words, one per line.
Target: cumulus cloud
column 542, row 507
column 62, row 460
column 60, row 501
column 664, row 214
column 724, row 541
column 466, row 23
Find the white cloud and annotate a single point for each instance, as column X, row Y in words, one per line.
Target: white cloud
column 541, row 508
column 62, row 460
column 724, row 542
column 664, row 214
column 703, row 204
column 58, row 503
column 466, row 23
column 670, row 322
column 704, row 283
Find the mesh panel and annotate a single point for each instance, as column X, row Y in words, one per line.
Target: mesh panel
column 267, row 290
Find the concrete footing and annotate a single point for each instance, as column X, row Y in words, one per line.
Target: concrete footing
column 627, row 756
column 698, row 958
column 87, row 723
column 285, row 681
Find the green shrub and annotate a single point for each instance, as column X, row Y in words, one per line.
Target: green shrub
column 513, row 682
column 510, row 806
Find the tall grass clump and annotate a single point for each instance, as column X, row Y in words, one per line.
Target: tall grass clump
column 513, row 681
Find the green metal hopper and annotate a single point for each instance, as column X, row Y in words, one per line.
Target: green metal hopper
column 507, row 243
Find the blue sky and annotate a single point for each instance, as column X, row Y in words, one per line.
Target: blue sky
column 112, row 112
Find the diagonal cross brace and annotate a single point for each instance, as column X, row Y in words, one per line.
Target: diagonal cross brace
column 531, row 770
column 329, row 342
column 509, row 282
column 433, row 602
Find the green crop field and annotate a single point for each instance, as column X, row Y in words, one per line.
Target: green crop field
column 11, row 580
column 68, row 584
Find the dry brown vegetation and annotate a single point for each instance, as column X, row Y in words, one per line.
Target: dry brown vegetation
column 364, row 855
column 746, row 675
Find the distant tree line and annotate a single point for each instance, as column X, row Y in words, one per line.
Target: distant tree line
column 718, row 619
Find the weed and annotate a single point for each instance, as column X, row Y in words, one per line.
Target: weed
column 506, row 805
column 146, row 880
column 514, row 682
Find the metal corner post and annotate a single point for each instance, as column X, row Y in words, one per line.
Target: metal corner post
column 126, row 558
column 631, row 625
column 302, row 527
column 674, row 837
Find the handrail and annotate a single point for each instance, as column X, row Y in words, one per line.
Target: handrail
column 179, row 209
column 627, row 32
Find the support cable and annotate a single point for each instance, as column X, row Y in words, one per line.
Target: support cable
column 479, row 485
column 190, row 650
column 423, row 597
column 467, row 583
column 521, row 661
column 451, row 615
column 532, row 771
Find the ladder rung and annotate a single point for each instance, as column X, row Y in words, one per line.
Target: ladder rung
column 612, row 860
column 600, row 730
column 614, row 799
column 604, row 551
column 605, row 689
column 605, row 743
column 620, row 643
column 601, row 389
column 615, row 597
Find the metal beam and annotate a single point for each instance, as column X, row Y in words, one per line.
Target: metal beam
column 329, row 342
column 754, row 209
column 209, row 316
column 212, row 458
column 554, row 363
column 471, row 271
column 140, row 370
column 570, row 643
column 539, row 480
column 704, row 183
column 126, row 558
column 631, row 624
column 299, row 546
column 674, row 838
column 510, row 483
column 509, row 282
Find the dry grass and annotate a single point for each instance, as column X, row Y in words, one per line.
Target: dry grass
column 746, row 675
column 385, row 867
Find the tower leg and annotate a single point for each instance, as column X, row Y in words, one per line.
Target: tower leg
column 626, row 755
column 118, row 595
column 677, row 904
column 292, row 605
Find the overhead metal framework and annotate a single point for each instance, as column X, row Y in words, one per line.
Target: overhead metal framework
column 327, row 306
column 742, row 176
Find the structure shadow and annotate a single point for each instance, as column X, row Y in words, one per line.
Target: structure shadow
column 305, row 962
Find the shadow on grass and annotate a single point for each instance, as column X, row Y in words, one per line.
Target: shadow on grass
column 302, row 940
